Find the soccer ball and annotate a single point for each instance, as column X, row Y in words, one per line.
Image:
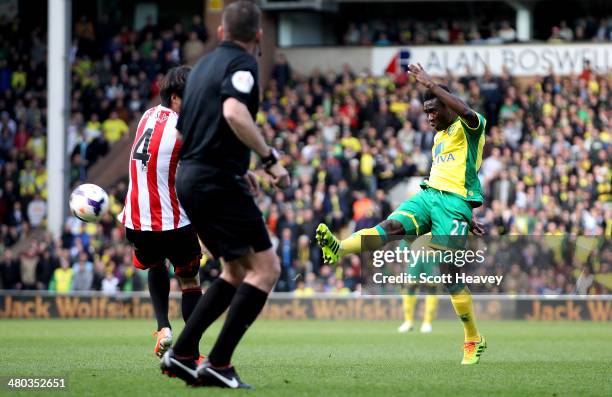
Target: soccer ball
column 89, row 202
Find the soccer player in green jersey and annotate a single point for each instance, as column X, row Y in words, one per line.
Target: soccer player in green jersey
column 444, row 206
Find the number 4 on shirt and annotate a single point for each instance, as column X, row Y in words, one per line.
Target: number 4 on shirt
column 143, row 155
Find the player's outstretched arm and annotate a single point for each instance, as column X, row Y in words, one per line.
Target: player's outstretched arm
column 456, row 104
column 240, row 121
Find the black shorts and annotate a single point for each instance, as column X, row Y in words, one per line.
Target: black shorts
column 223, row 212
column 180, row 246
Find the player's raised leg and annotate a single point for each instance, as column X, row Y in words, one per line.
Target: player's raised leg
column 399, row 223
column 334, row 249
column 411, row 218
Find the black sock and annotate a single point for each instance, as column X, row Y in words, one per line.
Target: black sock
column 210, row 306
column 245, row 308
column 159, row 288
column 189, row 301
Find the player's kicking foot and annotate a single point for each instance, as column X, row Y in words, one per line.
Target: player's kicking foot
column 329, row 244
column 176, row 367
column 426, row 328
column 164, row 341
column 405, row 327
column 221, row 377
column 472, row 351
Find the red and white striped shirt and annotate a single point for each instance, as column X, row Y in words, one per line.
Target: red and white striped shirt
column 151, row 203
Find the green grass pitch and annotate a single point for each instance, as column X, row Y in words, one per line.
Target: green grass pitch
column 319, row 358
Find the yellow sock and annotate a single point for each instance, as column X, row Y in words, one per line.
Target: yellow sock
column 409, row 303
column 462, row 302
column 352, row 245
column 431, row 306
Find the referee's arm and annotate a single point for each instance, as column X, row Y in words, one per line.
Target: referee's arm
column 240, row 121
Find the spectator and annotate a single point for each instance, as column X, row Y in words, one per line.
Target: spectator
column 114, row 128
column 10, row 271
column 99, row 275
column 565, row 33
column 555, row 35
column 110, row 283
column 507, row 32
column 46, row 267
column 83, row 274
column 37, row 210
column 286, row 251
column 19, row 78
column 302, row 290
column 281, row 72
column 28, row 265
column 382, row 40
column 198, row 26
column 61, row 281
column 193, row 49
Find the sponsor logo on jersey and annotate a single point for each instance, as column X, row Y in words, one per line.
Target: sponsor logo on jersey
column 440, row 157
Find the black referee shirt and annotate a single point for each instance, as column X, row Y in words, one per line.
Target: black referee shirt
column 228, row 71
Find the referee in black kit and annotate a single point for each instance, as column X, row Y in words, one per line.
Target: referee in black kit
column 220, row 102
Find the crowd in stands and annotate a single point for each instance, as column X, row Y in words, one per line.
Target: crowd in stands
column 405, row 32
column 402, row 32
column 347, row 139
column 583, row 29
column 115, row 74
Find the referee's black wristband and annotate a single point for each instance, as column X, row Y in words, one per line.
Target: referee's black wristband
column 270, row 159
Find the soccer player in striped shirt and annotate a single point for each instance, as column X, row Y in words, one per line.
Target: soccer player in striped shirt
column 155, row 223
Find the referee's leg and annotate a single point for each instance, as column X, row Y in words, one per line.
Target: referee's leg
column 220, row 293
column 211, row 306
column 262, row 271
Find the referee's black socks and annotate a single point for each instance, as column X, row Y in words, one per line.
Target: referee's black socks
column 210, row 306
column 245, row 308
